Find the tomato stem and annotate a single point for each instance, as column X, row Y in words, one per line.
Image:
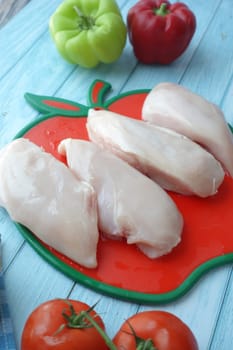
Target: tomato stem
column 74, row 320
column 146, row 345
column 141, row 344
column 83, row 320
column 106, row 338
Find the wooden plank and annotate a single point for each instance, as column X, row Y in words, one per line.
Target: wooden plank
column 19, row 34
column 8, row 9
column 222, row 334
column 212, row 64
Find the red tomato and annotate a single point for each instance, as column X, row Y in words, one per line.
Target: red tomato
column 47, row 327
column 161, row 330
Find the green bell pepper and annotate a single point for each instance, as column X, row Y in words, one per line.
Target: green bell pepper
column 87, row 32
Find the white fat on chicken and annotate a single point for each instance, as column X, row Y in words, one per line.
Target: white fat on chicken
column 172, row 160
column 41, row 193
column 130, row 205
column 173, row 106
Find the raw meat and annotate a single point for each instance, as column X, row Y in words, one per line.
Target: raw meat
column 175, row 107
column 130, row 205
column 170, row 159
column 42, row 194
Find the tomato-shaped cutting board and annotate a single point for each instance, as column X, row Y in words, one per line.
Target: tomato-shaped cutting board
column 123, row 271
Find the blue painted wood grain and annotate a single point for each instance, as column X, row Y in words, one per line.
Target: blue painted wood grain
column 31, row 63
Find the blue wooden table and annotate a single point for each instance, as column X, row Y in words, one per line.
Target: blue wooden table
column 29, row 62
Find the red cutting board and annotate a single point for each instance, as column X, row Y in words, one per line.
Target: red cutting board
column 123, row 271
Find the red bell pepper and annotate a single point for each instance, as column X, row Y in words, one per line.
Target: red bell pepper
column 159, row 31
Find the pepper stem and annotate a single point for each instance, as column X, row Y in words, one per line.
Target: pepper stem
column 78, row 11
column 84, row 22
column 162, row 10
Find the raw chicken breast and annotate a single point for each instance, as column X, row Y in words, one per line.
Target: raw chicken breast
column 175, row 107
column 130, row 205
column 172, row 160
column 41, row 193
